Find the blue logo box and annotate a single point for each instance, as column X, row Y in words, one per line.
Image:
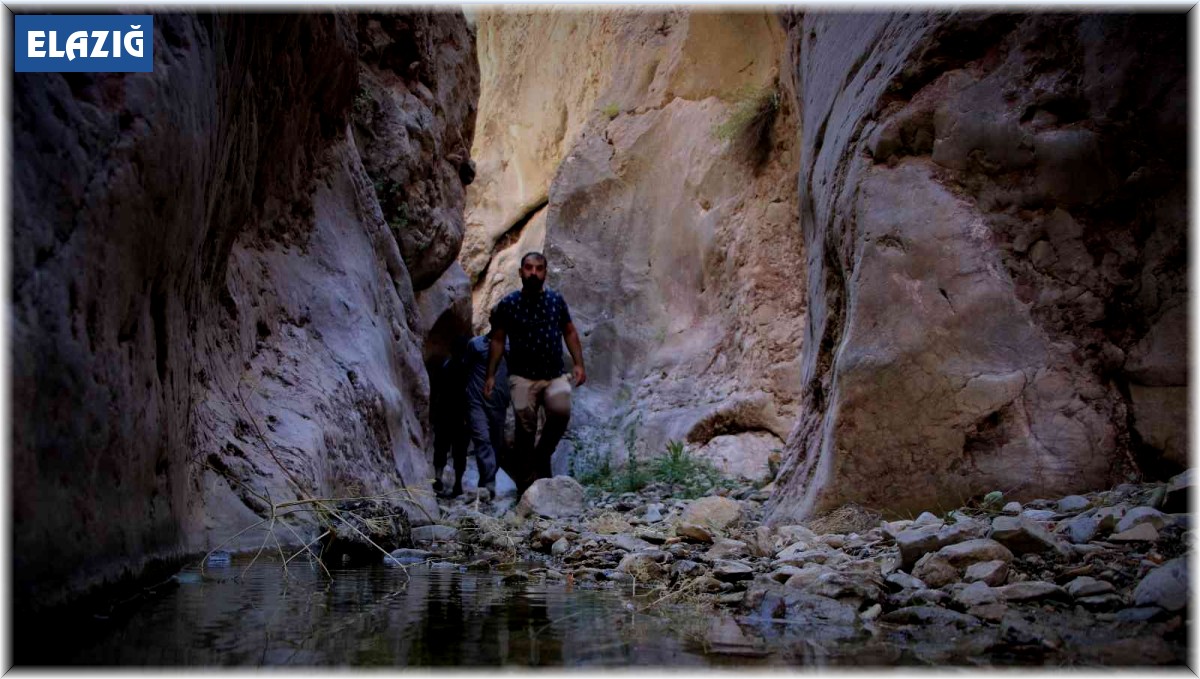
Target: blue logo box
column 84, row 43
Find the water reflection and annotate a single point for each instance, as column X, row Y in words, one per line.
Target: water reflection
column 436, row 616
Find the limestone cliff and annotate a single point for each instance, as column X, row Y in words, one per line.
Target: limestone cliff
column 213, row 282
column 675, row 248
column 994, row 216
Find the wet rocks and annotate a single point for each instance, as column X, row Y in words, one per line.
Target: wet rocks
column 408, row 556
column 360, row 531
column 929, row 615
column 777, row 601
column 434, row 533
column 643, row 565
column 556, row 497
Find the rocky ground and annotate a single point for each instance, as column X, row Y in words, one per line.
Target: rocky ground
column 1097, row 579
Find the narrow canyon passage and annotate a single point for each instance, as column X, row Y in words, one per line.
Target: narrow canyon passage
column 884, row 318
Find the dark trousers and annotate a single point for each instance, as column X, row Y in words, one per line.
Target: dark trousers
column 451, row 437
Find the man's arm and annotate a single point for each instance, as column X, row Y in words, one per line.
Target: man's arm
column 495, row 352
column 571, row 335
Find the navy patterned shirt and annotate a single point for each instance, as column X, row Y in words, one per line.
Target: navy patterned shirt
column 534, row 326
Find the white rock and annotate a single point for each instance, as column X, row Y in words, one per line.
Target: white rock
column 1166, row 586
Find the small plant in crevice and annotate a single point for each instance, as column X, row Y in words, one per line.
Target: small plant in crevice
column 611, row 111
column 363, row 104
column 748, row 125
column 688, row 476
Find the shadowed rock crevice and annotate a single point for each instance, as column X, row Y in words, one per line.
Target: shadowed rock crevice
column 195, row 285
column 510, row 238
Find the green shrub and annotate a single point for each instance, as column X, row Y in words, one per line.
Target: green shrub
column 611, row 111
column 748, row 125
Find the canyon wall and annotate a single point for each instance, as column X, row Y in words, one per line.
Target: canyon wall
column 674, row 245
column 225, row 274
column 994, row 211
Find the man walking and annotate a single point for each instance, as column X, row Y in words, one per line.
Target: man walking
column 447, row 401
column 485, row 416
column 535, row 320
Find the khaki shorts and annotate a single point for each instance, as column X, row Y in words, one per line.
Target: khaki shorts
column 528, row 395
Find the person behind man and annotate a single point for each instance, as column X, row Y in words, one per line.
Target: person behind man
column 535, row 321
column 448, row 415
column 485, row 416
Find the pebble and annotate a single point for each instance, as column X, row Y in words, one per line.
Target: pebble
column 934, row 570
column 1013, row 508
column 1031, row 590
column 992, row 573
column 1139, row 516
column 926, row 615
column 1073, row 503
column 905, row 581
column 694, row 532
column 927, row 519
column 993, row 612
column 407, row 556
column 1143, row 532
column 731, row 570
column 1022, row 534
column 1086, row 586
column 1080, row 529
column 871, row 613
column 974, row 551
column 434, row 533
column 976, row 594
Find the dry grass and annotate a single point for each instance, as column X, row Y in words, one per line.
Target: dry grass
column 608, row 523
column 849, row 518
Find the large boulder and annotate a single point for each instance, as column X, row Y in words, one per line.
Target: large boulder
column 555, row 498
column 1166, row 586
column 716, row 513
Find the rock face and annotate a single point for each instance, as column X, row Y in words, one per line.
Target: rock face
column 993, row 210
column 213, row 285
column 676, row 250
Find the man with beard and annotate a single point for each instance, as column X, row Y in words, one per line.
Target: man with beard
column 536, row 321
